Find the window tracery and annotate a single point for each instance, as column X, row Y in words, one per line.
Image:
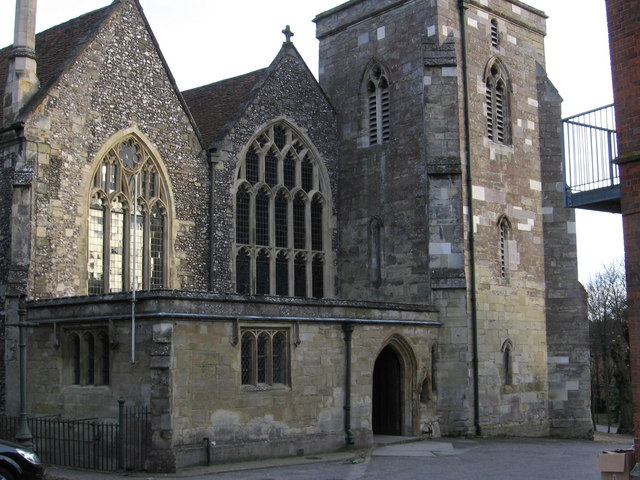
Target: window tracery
column 264, row 357
column 497, row 103
column 378, row 107
column 281, row 215
column 127, row 219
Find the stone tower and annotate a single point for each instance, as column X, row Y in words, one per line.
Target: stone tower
column 442, row 195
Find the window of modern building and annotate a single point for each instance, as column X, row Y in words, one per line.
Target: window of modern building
column 127, row 238
column 282, row 209
column 378, row 108
column 264, row 357
column 497, row 103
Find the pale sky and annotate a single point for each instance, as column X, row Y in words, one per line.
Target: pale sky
column 204, row 41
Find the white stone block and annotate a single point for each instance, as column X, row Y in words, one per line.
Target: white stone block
column 449, row 72
column 439, row 248
column 381, row 32
column 478, row 192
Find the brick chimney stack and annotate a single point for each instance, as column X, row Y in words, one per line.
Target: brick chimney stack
column 22, row 80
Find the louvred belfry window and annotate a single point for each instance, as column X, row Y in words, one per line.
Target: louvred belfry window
column 497, row 104
column 127, row 221
column 378, row 109
column 282, row 206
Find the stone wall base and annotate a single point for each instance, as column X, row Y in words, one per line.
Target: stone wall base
column 572, row 428
column 529, row 429
column 196, row 454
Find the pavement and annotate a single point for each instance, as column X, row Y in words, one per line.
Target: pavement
column 410, row 458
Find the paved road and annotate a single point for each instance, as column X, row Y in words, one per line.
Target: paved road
column 444, row 459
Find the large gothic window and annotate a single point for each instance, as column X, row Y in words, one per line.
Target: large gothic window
column 127, row 240
column 282, row 206
column 497, row 103
column 377, row 92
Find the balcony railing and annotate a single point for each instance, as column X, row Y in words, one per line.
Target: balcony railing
column 591, row 180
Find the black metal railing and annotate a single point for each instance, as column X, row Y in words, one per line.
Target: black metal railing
column 89, row 443
column 589, row 145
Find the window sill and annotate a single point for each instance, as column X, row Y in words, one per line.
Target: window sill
column 263, row 387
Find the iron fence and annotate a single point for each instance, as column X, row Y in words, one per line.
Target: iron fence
column 89, row 443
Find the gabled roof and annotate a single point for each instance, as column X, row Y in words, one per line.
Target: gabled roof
column 215, row 105
column 55, row 49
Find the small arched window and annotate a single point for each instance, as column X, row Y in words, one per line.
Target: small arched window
column 378, row 106
column 127, row 221
column 497, row 103
column 504, row 228
column 282, row 212
column 507, row 362
column 375, row 250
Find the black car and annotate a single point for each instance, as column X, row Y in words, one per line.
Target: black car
column 17, row 463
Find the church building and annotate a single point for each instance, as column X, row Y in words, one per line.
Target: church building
column 282, row 265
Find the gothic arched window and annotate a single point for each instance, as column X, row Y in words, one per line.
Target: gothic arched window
column 127, row 240
column 282, row 211
column 377, row 92
column 497, row 103
column 507, row 362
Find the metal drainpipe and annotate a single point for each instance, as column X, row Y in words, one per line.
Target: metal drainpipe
column 347, row 328
column 472, row 269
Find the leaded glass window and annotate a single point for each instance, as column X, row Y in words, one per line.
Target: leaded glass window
column 264, row 357
column 282, row 274
column 242, row 216
column 127, row 221
column 86, row 356
column 262, row 273
column 317, row 276
column 300, row 276
column 282, row 220
column 299, row 222
column 316, row 224
column 282, row 207
column 243, row 285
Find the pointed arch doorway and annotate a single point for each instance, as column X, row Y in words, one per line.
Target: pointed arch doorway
column 387, row 393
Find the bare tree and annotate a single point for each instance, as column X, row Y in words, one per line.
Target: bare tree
column 610, row 364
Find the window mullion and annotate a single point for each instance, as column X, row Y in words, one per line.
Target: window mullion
column 126, row 246
column 146, row 250
column 106, row 277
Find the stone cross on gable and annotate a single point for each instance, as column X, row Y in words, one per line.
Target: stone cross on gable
column 288, row 34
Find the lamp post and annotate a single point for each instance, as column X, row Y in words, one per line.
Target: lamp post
column 23, row 436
